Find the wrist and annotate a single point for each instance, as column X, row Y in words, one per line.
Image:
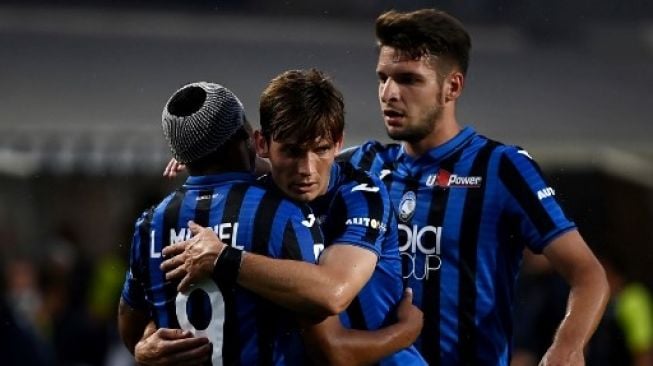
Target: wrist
column 226, row 267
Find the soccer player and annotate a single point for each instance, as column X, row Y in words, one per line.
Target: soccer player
column 359, row 272
column 467, row 205
column 203, row 123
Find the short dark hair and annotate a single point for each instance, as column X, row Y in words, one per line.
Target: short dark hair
column 425, row 32
column 301, row 106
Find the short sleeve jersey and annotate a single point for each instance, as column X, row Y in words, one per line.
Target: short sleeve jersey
column 466, row 209
column 243, row 328
column 356, row 210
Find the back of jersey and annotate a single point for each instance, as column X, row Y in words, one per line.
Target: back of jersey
column 243, row 328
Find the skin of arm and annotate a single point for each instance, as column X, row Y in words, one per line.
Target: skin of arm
column 160, row 347
column 329, row 343
column 589, row 292
column 314, row 290
column 131, row 324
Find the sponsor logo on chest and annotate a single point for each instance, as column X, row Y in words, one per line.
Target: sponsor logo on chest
column 446, row 179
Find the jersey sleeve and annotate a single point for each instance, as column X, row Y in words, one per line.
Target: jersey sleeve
column 364, row 206
column 531, row 199
column 296, row 234
column 133, row 291
column 369, row 157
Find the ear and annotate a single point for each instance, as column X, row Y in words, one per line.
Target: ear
column 261, row 144
column 454, row 84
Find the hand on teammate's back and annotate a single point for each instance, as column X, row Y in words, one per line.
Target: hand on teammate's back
column 410, row 316
column 192, row 260
column 163, row 347
column 173, row 168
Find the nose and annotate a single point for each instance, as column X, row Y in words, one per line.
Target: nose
column 388, row 91
column 306, row 164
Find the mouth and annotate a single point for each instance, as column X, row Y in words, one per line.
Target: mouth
column 393, row 117
column 303, row 187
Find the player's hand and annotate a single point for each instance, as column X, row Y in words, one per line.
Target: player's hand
column 173, row 168
column 192, row 260
column 563, row 355
column 410, row 317
column 162, row 347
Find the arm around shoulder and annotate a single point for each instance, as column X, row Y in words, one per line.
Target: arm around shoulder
column 315, row 290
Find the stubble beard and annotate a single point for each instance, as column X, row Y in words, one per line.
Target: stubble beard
column 420, row 130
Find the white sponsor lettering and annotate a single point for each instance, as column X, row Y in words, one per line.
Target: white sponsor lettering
column 421, row 271
column 425, row 240
column 545, row 192
column 420, row 242
column 367, row 222
column 384, row 173
column 456, row 180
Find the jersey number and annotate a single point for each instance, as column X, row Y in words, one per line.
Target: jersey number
column 214, row 330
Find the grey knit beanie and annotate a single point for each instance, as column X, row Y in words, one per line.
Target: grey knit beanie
column 199, row 118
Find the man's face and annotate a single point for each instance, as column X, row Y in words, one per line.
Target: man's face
column 410, row 95
column 301, row 171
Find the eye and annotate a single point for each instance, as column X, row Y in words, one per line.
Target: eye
column 382, row 78
column 406, row 79
column 322, row 150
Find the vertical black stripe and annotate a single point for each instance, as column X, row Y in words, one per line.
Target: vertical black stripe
column 290, row 248
column 430, row 347
column 469, row 232
column 203, row 207
column 170, row 221
column 265, row 311
column 528, row 200
column 231, row 346
column 368, row 158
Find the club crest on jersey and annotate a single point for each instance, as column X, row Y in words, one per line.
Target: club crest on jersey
column 407, row 206
column 445, row 179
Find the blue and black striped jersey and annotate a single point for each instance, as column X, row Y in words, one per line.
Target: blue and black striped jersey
column 244, row 328
column 466, row 209
column 356, row 210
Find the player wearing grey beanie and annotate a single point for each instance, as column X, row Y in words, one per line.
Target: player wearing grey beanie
column 199, row 118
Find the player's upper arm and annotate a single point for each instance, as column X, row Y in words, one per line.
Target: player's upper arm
column 349, row 267
column 572, row 258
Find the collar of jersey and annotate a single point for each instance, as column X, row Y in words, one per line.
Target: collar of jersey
column 437, row 154
column 232, row 177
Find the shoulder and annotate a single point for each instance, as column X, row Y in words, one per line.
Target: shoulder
column 369, row 150
column 352, row 176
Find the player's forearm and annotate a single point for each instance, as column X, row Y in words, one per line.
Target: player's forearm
column 300, row 286
column 131, row 324
column 356, row 347
column 588, row 297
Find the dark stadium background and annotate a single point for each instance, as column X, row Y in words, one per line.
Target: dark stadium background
column 84, row 82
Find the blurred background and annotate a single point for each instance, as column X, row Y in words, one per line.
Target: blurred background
column 81, row 148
